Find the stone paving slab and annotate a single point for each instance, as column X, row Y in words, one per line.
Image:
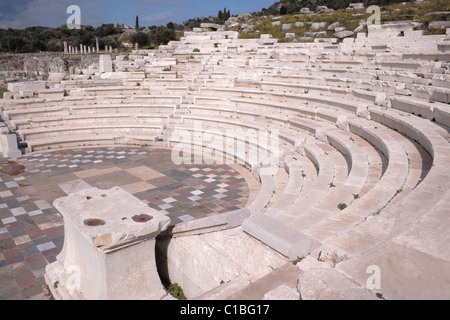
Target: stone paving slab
column 32, row 230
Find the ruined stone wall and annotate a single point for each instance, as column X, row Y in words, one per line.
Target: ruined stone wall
column 42, row 64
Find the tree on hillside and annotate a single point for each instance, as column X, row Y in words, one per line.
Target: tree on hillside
column 161, row 35
column 224, row 15
column 137, row 23
column 141, row 39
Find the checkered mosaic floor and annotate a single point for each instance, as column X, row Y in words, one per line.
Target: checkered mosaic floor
column 32, row 231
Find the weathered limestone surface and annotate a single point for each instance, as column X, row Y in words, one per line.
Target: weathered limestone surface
column 289, row 242
column 105, row 63
column 108, row 248
column 327, row 284
column 201, row 263
column 8, row 144
column 365, row 119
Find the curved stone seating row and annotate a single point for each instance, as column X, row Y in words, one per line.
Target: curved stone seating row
column 289, row 138
column 373, row 84
column 136, row 119
column 271, row 186
column 63, row 136
column 70, row 141
column 430, row 188
column 384, row 190
column 389, row 166
column 356, row 107
column 348, row 181
column 268, row 182
column 315, row 190
column 425, row 83
column 19, row 114
column 86, row 129
column 399, row 151
column 375, row 139
column 437, row 112
column 100, row 118
column 267, row 179
column 413, row 226
column 147, row 88
column 73, row 101
column 343, row 222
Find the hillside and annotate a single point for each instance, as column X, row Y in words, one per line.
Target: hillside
column 300, row 25
column 304, row 21
column 294, row 6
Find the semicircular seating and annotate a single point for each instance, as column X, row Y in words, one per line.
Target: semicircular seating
column 361, row 141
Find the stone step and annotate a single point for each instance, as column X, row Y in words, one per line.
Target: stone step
column 289, row 242
column 281, row 284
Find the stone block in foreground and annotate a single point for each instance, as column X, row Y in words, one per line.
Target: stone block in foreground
column 289, row 242
column 109, row 247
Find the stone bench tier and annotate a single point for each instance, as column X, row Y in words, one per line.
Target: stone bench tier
column 414, row 204
column 351, row 174
column 289, row 242
column 384, row 190
column 70, row 141
column 355, row 107
column 287, row 137
column 70, row 120
column 414, row 225
column 315, row 190
column 423, row 108
column 94, row 129
column 267, row 188
column 312, row 127
column 86, row 109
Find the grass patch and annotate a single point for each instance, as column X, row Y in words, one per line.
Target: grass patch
column 176, row 291
column 350, row 19
column 2, row 90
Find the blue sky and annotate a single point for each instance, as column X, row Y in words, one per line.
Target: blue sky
column 18, row 14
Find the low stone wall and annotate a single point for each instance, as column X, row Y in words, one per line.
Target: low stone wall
column 42, row 64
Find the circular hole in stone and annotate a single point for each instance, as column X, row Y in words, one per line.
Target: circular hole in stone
column 124, row 218
column 103, row 195
column 88, row 197
column 94, row 222
column 142, row 217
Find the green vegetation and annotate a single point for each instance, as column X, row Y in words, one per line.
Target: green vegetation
column 342, row 206
column 2, row 90
column 35, row 39
column 390, row 11
column 380, row 296
column 294, row 6
column 294, row 262
column 176, row 291
column 154, row 37
column 223, row 16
